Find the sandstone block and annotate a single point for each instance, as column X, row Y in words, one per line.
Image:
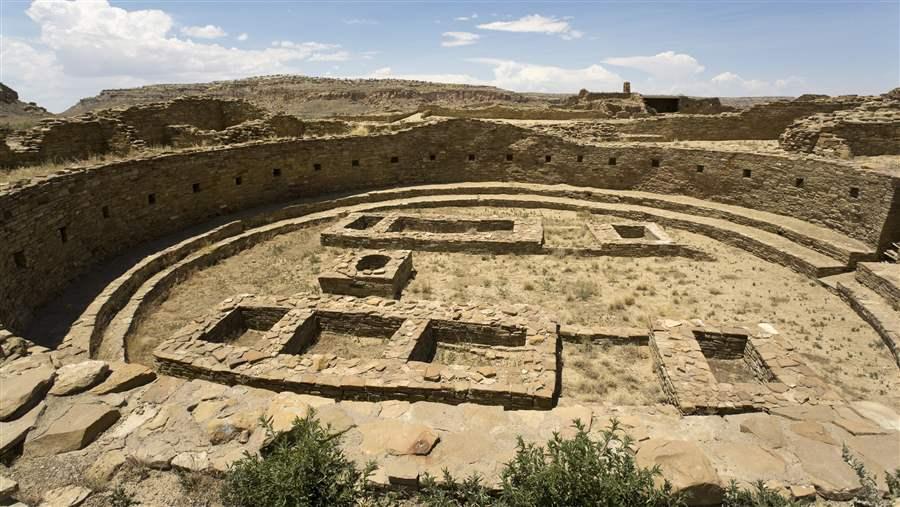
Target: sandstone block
column 74, row 378
column 80, row 426
column 125, row 377
column 686, row 466
column 8, row 487
column 13, row 433
column 67, row 496
column 23, row 390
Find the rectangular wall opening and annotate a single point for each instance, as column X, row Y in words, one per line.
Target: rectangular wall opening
column 469, row 344
column 438, row 226
column 509, row 157
column 63, row 234
column 854, row 192
column 317, row 167
column 276, row 173
column 700, row 168
column 654, row 162
column 20, row 260
column 363, row 222
column 245, row 326
column 195, row 188
column 799, row 182
column 634, row 232
column 346, row 335
column 612, row 161
column 728, row 357
column 151, row 199
column 238, row 181
column 395, row 160
column 105, row 211
column 747, row 173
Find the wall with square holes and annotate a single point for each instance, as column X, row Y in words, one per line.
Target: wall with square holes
column 106, row 210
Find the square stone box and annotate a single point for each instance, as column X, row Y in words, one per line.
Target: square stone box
column 374, row 349
column 363, row 273
column 630, row 233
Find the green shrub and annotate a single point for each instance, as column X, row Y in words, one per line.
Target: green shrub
column 582, row 471
column 471, row 492
column 579, row 471
column 893, row 483
column 301, row 467
column 759, row 496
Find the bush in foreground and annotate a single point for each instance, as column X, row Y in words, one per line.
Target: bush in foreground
column 567, row 472
column 301, row 467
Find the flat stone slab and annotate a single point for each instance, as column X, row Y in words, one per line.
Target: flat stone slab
column 125, row 377
column 79, row 426
column 23, row 390
column 68, row 496
column 77, row 377
column 685, row 465
column 13, row 433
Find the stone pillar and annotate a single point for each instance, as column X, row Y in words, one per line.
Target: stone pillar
column 626, row 87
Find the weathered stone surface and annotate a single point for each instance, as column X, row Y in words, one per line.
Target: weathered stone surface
column 827, row 471
column 812, row 430
column 74, row 378
column 765, row 427
column 748, row 462
column 685, row 465
column 67, row 496
column 403, row 473
column 8, row 487
column 192, row 461
column 104, row 468
column 882, row 415
column 396, row 438
column 13, row 433
column 124, row 377
column 23, row 390
column 284, row 408
column 80, row 426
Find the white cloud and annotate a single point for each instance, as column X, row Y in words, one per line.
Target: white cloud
column 91, row 45
column 204, row 32
column 455, row 39
column 524, row 77
column 466, row 18
column 547, row 78
column 535, row 23
column 387, row 73
column 667, row 64
column 242, row 37
column 360, row 21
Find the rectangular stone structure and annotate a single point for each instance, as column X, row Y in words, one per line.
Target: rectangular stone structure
column 442, row 233
column 520, row 340
column 363, row 273
column 684, row 354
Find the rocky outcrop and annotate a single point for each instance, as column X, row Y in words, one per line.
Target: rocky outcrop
column 80, row 425
column 22, row 390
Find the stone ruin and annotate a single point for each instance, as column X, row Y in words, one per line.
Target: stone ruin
column 870, row 129
column 178, row 123
column 420, row 384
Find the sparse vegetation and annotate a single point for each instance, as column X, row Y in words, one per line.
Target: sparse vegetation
column 759, row 496
column 303, row 466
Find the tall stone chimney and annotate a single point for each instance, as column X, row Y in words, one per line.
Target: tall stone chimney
column 626, row 87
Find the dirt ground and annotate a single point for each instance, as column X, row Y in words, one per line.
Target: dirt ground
column 736, row 287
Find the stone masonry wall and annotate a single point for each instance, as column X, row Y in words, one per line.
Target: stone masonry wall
column 765, row 121
column 58, row 227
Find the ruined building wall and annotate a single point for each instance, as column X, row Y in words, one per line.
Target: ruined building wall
column 150, row 120
column 765, row 121
column 872, row 129
column 57, row 228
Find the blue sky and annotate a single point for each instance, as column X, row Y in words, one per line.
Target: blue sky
column 55, row 52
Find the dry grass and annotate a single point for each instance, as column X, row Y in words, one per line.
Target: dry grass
column 737, row 287
column 619, row 374
column 348, row 346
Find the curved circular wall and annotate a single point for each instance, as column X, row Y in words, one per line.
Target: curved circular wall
column 56, row 229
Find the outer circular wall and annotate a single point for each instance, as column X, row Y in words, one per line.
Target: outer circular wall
column 57, row 228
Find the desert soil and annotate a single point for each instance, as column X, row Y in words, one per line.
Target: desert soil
column 604, row 291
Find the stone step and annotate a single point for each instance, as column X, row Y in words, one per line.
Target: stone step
column 873, row 308
column 883, row 278
column 822, row 239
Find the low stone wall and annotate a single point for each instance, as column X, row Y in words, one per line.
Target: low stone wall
column 682, row 365
column 280, row 361
column 764, row 121
column 871, row 129
column 60, row 226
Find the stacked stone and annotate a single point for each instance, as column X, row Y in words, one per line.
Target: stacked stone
column 397, row 374
column 462, row 234
column 688, row 381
